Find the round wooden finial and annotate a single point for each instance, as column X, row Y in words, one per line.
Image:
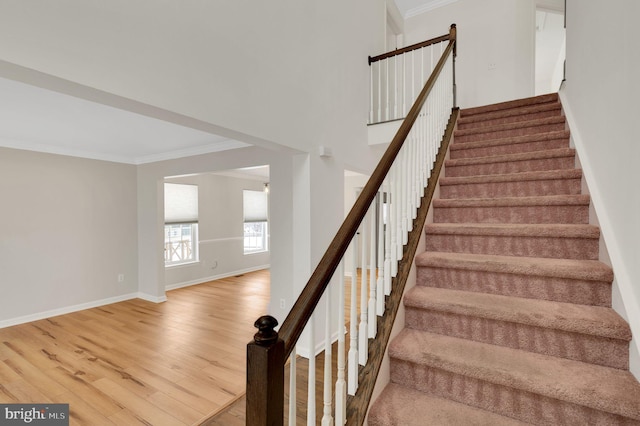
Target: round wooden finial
column 266, row 334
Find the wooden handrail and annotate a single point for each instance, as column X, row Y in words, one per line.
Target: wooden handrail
column 416, row 46
column 305, row 305
column 268, row 374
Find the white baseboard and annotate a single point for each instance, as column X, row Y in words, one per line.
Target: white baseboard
column 151, row 298
column 215, row 277
column 67, row 310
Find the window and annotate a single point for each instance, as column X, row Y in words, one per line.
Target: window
column 180, row 224
column 255, row 221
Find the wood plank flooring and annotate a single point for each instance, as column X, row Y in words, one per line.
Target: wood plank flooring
column 138, row 362
column 234, row 413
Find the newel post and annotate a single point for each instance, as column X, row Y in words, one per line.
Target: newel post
column 265, row 375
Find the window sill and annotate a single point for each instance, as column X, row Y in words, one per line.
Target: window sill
column 177, row 265
column 249, row 253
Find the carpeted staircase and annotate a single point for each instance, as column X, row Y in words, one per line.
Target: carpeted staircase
column 510, row 322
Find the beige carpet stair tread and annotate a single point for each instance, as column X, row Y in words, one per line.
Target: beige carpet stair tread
column 534, row 100
column 515, row 229
column 525, row 156
column 569, row 317
column 402, row 406
column 563, row 134
column 548, row 200
column 601, row 388
column 510, row 126
column 513, row 177
column 515, row 112
column 563, row 268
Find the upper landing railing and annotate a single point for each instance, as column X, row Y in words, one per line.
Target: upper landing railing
column 398, row 76
column 360, row 302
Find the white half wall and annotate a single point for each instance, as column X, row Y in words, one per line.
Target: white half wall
column 496, row 47
column 601, row 95
column 69, row 234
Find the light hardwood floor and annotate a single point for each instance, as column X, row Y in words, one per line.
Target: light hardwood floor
column 137, row 362
column 234, row 413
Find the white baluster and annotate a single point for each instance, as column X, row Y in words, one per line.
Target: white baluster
column 363, row 346
column 327, row 418
column 381, row 246
column 395, row 219
column 292, row 388
column 379, row 91
column 395, row 86
column 404, row 85
column 371, row 309
column 371, row 93
column 341, row 389
column 353, row 321
column 387, row 241
column 388, row 78
column 404, row 199
column 311, row 388
column 413, row 77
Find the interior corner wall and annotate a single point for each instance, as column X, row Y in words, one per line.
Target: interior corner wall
column 69, row 233
column 220, row 231
column 496, row 47
column 601, row 92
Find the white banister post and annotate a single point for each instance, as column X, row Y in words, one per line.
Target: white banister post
column 379, row 91
column 388, row 77
column 311, row 388
column 353, row 323
column 395, row 79
column 371, row 309
column 387, row 241
column 363, row 351
column 327, row 419
column 381, row 246
column 341, row 389
column 371, row 106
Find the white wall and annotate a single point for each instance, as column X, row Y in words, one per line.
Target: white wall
column 292, row 73
column 491, row 33
column 220, row 231
column 601, row 99
column 69, row 230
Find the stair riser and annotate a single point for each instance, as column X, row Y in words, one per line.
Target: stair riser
column 579, row 347
column 512, row 214
column 537, row 165
column 479, row 122
column 514, row 148
column 504, row 245
column 529, row 188
column 583, row 292
column 500, row 134
column 522, row 405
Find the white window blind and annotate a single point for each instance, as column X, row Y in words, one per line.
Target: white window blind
column 180, row 203
column 255, row 206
